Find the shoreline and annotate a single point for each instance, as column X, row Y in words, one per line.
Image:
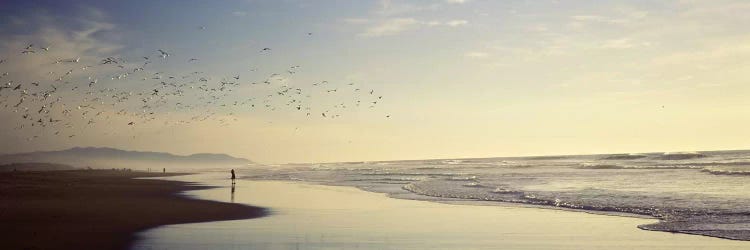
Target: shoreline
column 100, row 209
column 650, row 227
column 315, row 216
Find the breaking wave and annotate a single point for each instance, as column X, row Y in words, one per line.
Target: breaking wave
column 726, row 172
column 681, row 156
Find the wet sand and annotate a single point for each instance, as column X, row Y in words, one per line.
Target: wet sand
column 307, row 216
column 98, row 209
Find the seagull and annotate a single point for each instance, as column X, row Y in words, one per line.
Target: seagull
column 109, row 60
column 163, row 54
column 78, row 59
column 265, row 49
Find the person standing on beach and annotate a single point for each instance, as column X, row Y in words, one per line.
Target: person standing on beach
column 232, row 175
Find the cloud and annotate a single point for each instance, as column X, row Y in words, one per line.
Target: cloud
column 394, row 17
column 391, row 26
column 621, row 17
column 456, row 23
column 239, row 13
column 623, row 43
column 477, row 55
column 585, row 18
column 356, row 20
column 85, row 41
column 388, row 8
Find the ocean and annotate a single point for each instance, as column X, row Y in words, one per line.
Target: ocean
column 704, row 193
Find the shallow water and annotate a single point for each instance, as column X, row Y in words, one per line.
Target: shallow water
column 306, row 216
column 697, row 192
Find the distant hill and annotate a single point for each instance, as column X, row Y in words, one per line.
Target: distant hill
column 116, row 158
column 34, row 166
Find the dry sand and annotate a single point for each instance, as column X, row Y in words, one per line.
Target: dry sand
column 97, row 209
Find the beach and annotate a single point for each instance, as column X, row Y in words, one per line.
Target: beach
column 112, row 209
column 98, row 209
column 309, row 216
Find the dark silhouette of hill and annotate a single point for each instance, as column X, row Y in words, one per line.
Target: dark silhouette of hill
column 116, row 158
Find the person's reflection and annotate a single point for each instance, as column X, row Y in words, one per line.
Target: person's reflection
column 232, row 196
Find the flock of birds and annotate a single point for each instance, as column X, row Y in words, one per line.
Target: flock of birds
column 113, row 92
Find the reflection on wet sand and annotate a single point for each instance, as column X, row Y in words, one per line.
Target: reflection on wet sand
column 308, row 216
column 232, row 195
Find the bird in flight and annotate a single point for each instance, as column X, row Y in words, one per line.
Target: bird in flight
column 164, row 54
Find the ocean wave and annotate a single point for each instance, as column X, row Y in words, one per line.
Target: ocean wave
column 418, row 189
column 462, row 178
column 360, row 169
column 717, row 163
column 624, row 157
column 600, row 166
column 554, row 157
column 636, row 167
column 680, row 156
column 452, row 162
column 414, row 173
column 503, row 190
column 522, row 166
column 402, row 179
column 521, row 197
column 474, row 185
column 726, row 172
column 430, row 168
column 352, row 162
column 726, row 226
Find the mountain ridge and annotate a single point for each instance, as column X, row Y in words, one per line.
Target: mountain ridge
column 106, row 157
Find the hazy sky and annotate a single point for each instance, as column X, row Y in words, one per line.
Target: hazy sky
column 459, row 78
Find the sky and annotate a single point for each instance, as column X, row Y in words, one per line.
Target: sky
column 458, row 78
